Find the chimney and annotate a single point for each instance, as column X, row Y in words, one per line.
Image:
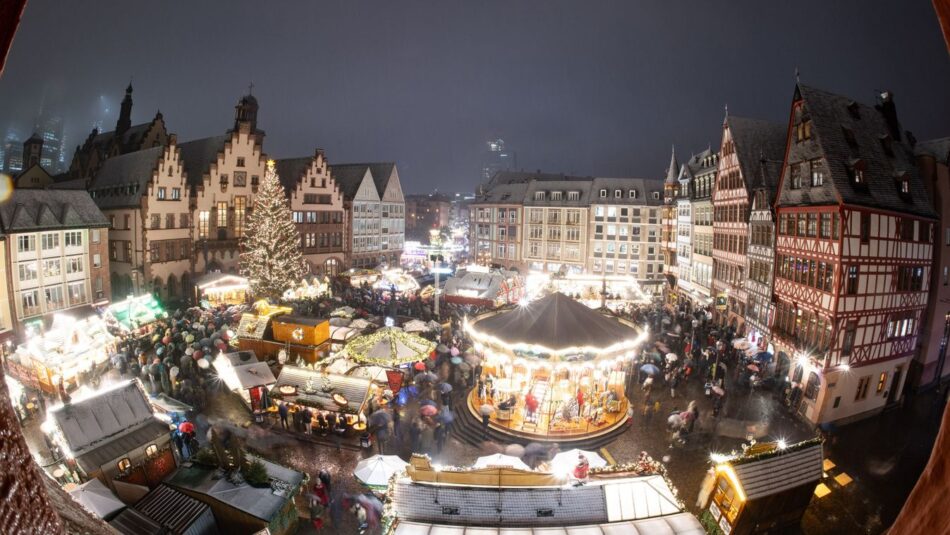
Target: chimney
column 889, row 111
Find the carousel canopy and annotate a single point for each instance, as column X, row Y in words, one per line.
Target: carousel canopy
column 389, row 346
column 556, row 322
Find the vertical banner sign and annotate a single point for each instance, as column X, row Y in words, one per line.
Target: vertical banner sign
column 394, row 378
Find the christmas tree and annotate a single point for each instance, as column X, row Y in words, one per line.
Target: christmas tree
column 270, row 250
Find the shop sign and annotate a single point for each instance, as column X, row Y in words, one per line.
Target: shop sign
column 714, row 510
column 724, row 526
column 721, row 301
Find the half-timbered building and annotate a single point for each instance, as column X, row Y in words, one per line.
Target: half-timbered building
column 761, row 253
column 669, row 216
column 854, row 252
column 743, row 141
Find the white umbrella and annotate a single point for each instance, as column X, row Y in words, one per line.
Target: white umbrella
column 671, row 357
column 565, row 461
column 97, row 498
column 500, row 459
column 376, row 471
column 415, row 326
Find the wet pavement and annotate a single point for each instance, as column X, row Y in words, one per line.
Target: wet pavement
column 876, row 461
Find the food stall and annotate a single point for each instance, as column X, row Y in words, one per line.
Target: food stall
column 64, row 353
column 553, row 368
column 247, row 377
column 219, row 288
column 135, row 312
column 477, row 285
column 324, row 392
column 312, row 289
column 401, row 281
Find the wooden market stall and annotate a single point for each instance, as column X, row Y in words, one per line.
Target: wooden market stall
column 324, row 393
column 766, row 489
column 219, row 288
column 268, row 330
column 553, row 368
column 245, row 376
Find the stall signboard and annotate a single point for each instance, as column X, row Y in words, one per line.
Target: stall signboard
column 721, row 301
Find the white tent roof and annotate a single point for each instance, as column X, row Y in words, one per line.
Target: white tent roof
column 499, row 459
column 376, row 470
column 97, row 498
column 99, row 418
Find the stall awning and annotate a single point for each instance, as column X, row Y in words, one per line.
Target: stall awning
column 678, row 524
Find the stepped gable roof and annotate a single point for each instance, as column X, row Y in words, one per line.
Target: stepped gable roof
column 556, row 322
column 645, row 187
column 198, row 155
column 29, row 210
column 122, row 180
column 781, row 470
column 289, row 170
column 348, row 177
column 754, row 140
column 831, row 116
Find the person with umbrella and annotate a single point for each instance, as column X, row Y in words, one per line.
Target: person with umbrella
column 446, row 390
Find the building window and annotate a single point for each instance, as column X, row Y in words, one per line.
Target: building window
column 161, row 193
column 156, row 221
column 812, row 387
column 54, row 297
column 555, row 195
column 176, row 194
column 52, row 268
column 124, row 464
column 862, row 391
column 151, row 449
column 27, row 271
column 222, row 221
column 847, row 345
column 817, row 174
column 224, row 180
column 851, row 287
column 310, row 198
column 573, row 195
column 28, row 243
column 656, row 195
column 240, row 207
column 77, row 293
column 795, row 170
column 74, row 264
column 203, row 220
column 240, row 161
column 803, row 131
column 881, row 382
column 865, row 227
column 73, row 238
column 95, row 235
column 50, row 241
column 169, row 220
column 30, row 301
column 603, row 194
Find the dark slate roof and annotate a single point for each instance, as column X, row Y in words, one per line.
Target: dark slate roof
column 30, row 210
column 348, row 177
column 780, row 471
column 121, row 181
column 830, row 115
column 673, row 171
column 581, row 185
column 754, row 140
column 645, row 187
column 381, row 171
column 289, row 170
column 515, row 177
column 198, row 155
column 556, row 322
column 503, row 194
column 177, row 512
column 121, row 445
column 938, row 148
column 132, row 522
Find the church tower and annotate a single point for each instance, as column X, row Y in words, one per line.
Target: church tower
column 125, row 115
column 32, row 151
column 245, row 114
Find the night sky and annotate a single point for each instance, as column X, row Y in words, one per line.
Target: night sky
column 594, row 88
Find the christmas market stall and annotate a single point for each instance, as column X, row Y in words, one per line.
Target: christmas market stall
column 477, row 285
column 766, row 488
column 391, row 349
column 270, row 331
column 324, row 394
column 219, row 288
column 247, row 377
column 610, row 291
column 498, row 500
column 396, row 279
column 113, row 435
column 67, row 354
column 135, row 312
column 553, row 369
column 312, row 289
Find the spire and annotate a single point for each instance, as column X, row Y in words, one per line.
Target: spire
column 674, row 170
column 125, row 115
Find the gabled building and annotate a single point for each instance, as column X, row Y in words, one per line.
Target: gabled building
column 317, row 205
column 743, row 141
column 146, row 198
column 853, row 254
column 625, row 228
column 34, row 175
column 497, row 222
column 223, row 173
column 556, row 216
column 375, row 213
column 100, row 146
column 761, row 252
column 705, row 168
column 55, row 241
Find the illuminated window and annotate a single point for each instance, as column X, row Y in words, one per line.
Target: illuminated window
column 862, row 391
column 222, row 214
column 240, row 205
column 203, row 220
column 124, row 464
column 881, row 381
column 151, row 450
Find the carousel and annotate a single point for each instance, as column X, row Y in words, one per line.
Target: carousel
column 552, row 369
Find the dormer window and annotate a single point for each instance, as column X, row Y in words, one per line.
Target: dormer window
column 849, row 137
column 555, row 195
column 887, row 144
column 656, row 195
column 539, row 195
column 573, row 195
column 633, row 194
column 795, row 172
column 603, row 194
column 618, row 194
column 803, row 130
column 857, row 171
column 902, row 181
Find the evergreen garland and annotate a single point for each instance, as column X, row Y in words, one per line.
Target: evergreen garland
column 270, row 249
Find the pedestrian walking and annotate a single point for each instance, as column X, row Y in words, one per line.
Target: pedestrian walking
column 674, row 382
column 305, row 419
column 485, row 418
column 282, row 410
